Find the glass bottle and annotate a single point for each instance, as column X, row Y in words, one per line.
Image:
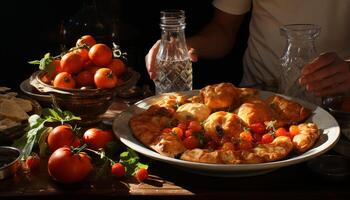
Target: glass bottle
column 173, row 65
column 88, row 20
column 300, row 49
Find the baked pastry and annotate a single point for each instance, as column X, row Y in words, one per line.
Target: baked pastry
column 221, row 96
column 147, row 127
column 288, row 111
column 307, row 137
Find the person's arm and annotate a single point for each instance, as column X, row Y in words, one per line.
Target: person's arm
column 218, row 37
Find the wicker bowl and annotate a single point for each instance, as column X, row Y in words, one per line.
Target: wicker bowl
column 87, row 103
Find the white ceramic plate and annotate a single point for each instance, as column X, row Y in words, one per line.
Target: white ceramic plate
column 328, row 126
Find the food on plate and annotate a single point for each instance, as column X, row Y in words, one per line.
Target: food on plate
column 13, row 110
column 226, row 125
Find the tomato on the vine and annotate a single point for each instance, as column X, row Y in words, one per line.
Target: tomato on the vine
column 105, row 78
column 66, row 166
column 141, row 174
column 96, row 138
column 64, row 80
column 118, row 170
column 33, row 162
column 60, row 136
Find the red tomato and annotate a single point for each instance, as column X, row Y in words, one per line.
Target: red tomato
column 195, row 126
column 267, row 138
column 246, row 136
column 117, row 66
column 64, row 80
column 60, row 136
column 86, row 39
column 33, row 162
column 258, row 128
column 96, row 138
column 66, row 167
column 282, row 132
column 105, row 78
column 72, row 63
column 85, row 78
column 84, row 53
column 100, row 54
column 178, row 131
column 118, row 170
column 191, row 142
column 141, row 174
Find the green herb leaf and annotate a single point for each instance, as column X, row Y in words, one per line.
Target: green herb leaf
column 36, row 132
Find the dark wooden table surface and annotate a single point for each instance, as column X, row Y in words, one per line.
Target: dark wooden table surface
column 168, row 182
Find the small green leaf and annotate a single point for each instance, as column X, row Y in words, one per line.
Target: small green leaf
column 34, row 62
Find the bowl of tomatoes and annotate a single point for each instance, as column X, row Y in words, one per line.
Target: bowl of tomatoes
column 86, row 79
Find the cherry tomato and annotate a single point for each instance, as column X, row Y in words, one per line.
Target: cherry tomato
column 246, row 136
column 282, row 132
column 258, row 128
column 267, row 138
column 191, row 142
column 85, row 78
column 100, row 54
column 166, row 130
column 64, row 80
column 86, row 39
column 117, row 66
column 141, row 174
column 183, row 126
column 72, row 63
column 33, row 162
column 96, row 138
column 188, row 133
column 118, row 170
column 195, row 126
column 178, row 131
column 105, row 78
column 66, row 167
column 60, row 136
column 293, row 130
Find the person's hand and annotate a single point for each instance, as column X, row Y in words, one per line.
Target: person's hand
column 326, row 75
column 151, row 59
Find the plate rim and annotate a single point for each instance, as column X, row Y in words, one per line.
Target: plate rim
column 223, row 169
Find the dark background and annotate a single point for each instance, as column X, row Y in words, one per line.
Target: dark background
column 32, row 28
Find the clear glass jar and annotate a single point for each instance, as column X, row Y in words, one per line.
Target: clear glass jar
column 173, row 64
column 300, row 49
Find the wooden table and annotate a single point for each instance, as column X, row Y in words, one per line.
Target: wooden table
column 169, row 182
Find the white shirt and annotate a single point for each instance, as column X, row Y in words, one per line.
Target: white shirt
column 265, row 44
